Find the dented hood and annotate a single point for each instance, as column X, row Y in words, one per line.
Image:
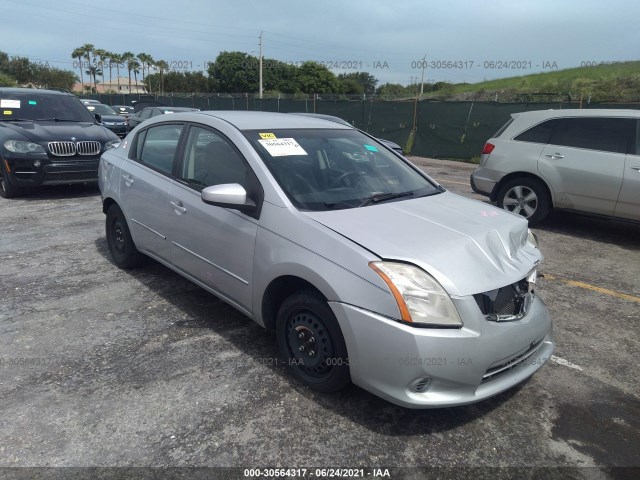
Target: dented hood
column 468, row 246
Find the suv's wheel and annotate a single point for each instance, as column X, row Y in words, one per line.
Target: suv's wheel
column 123, row 250
column 310, row 340
column 7, row 189
column 527, row 197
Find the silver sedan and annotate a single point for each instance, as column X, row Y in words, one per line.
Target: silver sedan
column 368, row 270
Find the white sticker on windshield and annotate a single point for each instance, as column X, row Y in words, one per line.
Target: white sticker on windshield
column 282, row 147
column 9, row 103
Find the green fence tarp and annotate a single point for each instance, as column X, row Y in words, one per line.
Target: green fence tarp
column 444, row 129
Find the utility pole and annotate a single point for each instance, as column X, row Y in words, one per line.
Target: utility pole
column 424, row 63
column 260, row 64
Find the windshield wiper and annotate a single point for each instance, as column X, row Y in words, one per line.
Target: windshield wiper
column 16, row 120
column 54, row 119
column 332, row 205
column 383, row 197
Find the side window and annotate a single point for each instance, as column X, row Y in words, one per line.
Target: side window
column 541, row 133
column 209, row 159
column 603, row 134
column 158, row 147
column 637, row 142
column 145, row 113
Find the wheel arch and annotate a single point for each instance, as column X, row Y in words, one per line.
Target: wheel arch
column 511, row 176
column 106, row 204
column 277, row 291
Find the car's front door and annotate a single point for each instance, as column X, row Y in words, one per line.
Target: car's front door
column 583, row 162
column 212, row 244
column 144, row 187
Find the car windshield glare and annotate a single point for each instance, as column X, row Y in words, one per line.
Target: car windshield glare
column 327, row 169
column 36, row 106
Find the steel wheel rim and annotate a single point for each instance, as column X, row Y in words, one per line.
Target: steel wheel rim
column 521, row 200
column 118, row 237
column 310, row 345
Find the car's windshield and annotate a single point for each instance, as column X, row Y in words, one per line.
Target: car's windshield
column 101, row 109
column 333, row 169
column 39, row 106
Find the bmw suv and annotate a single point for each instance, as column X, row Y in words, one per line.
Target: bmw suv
column 579, row 160
column 47, row 138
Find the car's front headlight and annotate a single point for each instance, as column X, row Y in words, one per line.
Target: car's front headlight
column 19, row 146
column 421, row 299
column 111, row 144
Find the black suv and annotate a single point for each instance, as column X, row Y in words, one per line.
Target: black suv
column 48, row 138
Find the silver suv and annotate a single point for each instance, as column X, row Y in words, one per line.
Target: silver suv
column 366, row 269
column 580, row 160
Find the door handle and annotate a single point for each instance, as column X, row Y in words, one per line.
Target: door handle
column 554, row 155
column 637, row 169
column 178, row 207
column 128, row 179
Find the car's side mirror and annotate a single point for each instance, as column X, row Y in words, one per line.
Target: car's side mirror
column 228, row 195
column 98, row 117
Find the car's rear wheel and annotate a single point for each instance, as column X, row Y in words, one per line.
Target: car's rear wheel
column 7, row 189
column 527, row 197
column 311, row 342
column 123, row 250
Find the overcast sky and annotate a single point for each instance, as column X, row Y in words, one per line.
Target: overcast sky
column 386, row 38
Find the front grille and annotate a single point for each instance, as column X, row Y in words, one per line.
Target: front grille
column 62, row 149
column 68, row 149
column 520, row 358
column 89, row 148
column 70, row 177
column 506, row 303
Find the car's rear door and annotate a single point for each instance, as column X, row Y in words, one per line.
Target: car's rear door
column 144, row 187
column 583, row 162
column 628, row 205
column 211, row 244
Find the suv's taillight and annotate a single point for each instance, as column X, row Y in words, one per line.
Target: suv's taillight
column 488, row 148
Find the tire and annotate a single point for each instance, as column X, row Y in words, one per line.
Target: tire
column 527, row 197
column 7, row 189
column 311, row 342
column 123, row 250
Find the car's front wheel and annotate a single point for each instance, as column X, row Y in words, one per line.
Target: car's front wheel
column 527, row 197
column 311, row 342
column 7, row 189
column 123, row 250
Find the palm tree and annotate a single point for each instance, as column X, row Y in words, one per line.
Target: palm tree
column 146, row 61
column 93, row 71
column 109, row 57
column 128, row 58
column 87, row 50
column 77, row 54
column 102, row 55
column 118, row 59
column 161, row 65
column 134, row 66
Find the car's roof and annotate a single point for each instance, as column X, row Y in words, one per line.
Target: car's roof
column 178, row 109
column 18, row 91
column 331, row 118
column 243, row 120
column 574, row 112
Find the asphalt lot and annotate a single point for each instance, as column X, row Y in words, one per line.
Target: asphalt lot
column 104, row 367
